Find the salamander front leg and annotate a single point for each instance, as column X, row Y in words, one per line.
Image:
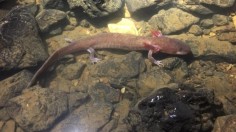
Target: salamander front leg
column 159, row 63
column 91, row 56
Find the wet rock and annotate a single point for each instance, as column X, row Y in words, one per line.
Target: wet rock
column 13, row 86
column 20, row 44
column 9, row 126
column 72, row 71
column 223, row 4
column 176, row 110
column 225, row 124
column 48, row 18
column 210, row 48
column 90, row 117
column 220, row 20
column 97, row 8
column 53, row 4
column 4, row 114
column 172, row 20
column 138, row 5
column 76, row 99
column 26, row 2
column 152, row 79
column 124, row 67
column 206, row 23
column 196, row 30
column 229, row 102
column 38, row 108
column 196, row 8
column 227, row 35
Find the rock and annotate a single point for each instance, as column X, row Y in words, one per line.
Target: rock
column 48, row 18
column 196, row 30
column 172, row 20
column 138, row 5
column 76, row 99
column 37, row 109
column 206, row 23
column 13, row 86
column 225, row 124
column 26, row 2
column 72, row 71
column 97, row 8
column 228, row 101
column 198, row 8
column 53, row 4
column 9, row 126
column 152, row 79
column 90, row 118
column 227, row 35
column 4, row 114
column 177, row 108
column 220, row 20
column 124, row 67
column 223, row 4
column 209, row 48
column 20, row 43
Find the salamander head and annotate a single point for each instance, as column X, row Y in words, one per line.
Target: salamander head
column 172, row 46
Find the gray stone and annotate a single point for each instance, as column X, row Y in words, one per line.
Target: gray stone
column 37, row 109
column 196, row 30
column 48, row 18
column 97, row 8
column 138, row 5
column 220, row 20
column 172, row 20
column 72, row 71
column 220, row 3
column 225, row 124
column 206, row 23
column 20, row 43
column 200, row 9
column 13, row 86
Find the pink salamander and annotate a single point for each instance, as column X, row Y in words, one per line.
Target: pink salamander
column 118, row 41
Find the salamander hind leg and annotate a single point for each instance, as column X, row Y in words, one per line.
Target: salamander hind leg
column 159, row 63
column 92, row 55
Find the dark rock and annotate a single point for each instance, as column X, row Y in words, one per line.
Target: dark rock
column 181, row 109
column 97, row 8
column 90, row 117
column 13, row 86
column 54, row 4
column 225, row 124
column 38, row 108
column 196, row 30
column 48, row 18
column 124, row 67
column 76, row 99
column 220, row 20
column 4, row 114
column 139, row 5
column 196, row 8
column 207, row 23
column 172, row 20
column 20, row 44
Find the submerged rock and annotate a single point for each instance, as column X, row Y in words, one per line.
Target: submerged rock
column 20, row 43
column 97, row 8
column 172, row 20
column 225, row 124
column 176, row 110
column 37, row 109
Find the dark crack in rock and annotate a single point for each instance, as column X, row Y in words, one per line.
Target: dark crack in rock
column 20, row 44
column 37, row 109
column 97, row 8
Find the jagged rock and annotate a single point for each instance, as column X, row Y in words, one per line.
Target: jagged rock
column 37, row 109
column 172, row 20
column 225, row 124
column 97, row 8
column 53, row 4
column 20, row 44
column 48, row 18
